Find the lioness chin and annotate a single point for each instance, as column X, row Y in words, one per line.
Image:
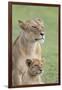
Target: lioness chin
column 26, row 46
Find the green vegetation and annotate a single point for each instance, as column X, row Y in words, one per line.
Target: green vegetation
column 50, row 47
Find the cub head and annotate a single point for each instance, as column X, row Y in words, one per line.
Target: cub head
column 34, row 66
column 33, row 29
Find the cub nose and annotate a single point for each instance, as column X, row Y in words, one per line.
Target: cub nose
column 42, row 34
column 40, row 70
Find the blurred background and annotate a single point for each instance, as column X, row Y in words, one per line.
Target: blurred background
column 50, row 48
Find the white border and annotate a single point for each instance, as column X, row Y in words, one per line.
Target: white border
column 4, row 43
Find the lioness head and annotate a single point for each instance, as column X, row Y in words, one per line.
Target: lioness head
column 33, row 29
column 34, row 66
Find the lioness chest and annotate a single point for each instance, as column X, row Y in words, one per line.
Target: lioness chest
column 20, row 54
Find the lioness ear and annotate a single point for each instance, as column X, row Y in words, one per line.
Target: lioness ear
column 22, row 24
column 38, row 19
column 28, row 62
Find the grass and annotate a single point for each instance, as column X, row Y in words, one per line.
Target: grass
column 50, row 47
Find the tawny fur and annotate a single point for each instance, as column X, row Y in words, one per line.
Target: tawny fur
column 26, row 46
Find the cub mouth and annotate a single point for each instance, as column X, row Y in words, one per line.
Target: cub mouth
column 36, row 73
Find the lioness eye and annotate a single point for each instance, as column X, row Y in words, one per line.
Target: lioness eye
column 34, row 26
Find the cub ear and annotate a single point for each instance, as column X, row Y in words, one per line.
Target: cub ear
column 22, row 24
column 28, row 62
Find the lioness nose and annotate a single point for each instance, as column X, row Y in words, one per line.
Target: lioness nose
column 42, row 34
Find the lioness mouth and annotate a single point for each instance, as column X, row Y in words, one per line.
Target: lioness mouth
column 38, row 39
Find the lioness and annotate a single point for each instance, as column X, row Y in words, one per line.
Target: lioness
column 33, row 71
column 26, row 46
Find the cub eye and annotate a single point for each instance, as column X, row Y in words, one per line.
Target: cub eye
column 36, row 65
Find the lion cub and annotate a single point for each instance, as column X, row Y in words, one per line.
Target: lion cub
column 33, row 73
